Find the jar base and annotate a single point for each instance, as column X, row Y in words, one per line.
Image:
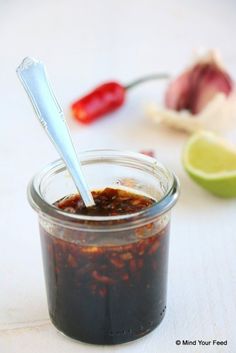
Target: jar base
column 112, row 339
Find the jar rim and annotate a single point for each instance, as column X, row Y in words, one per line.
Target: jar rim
column 167, row 201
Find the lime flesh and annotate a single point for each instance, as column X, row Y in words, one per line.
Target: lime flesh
column 211, row 162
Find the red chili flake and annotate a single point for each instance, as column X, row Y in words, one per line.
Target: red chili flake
column 133, row 265
column 140, row 263
column 102, row 292
column 101, row 278
column 118, row 263
column 149, row 153
column 139, row 232
column 126, row 256
column 125, row 277
column 154, row 247
column 71, row 261
column 141, row 247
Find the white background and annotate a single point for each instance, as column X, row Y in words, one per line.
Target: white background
column 82, row 44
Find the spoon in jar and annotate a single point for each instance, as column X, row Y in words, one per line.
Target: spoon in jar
column 33, row 77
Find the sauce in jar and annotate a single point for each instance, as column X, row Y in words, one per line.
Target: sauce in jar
column 107, row 294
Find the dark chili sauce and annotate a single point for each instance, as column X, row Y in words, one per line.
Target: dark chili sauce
column 107, row 294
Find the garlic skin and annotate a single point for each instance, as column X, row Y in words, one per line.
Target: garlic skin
column 200, row 98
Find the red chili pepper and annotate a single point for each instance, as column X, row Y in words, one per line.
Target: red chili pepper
column 105, row 99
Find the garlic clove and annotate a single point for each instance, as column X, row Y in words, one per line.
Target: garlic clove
column 202, row 97
column 211, row 80
column 196, row 86
column 177, row 94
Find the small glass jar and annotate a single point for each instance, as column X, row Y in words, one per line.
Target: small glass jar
column 106, row 277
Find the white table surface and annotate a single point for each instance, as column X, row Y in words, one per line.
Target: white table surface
column 84, row 42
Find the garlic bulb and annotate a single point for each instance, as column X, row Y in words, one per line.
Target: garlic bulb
column 203, row 97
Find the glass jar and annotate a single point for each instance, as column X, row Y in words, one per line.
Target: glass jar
column 106, row 277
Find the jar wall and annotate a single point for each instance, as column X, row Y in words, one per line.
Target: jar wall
column 107, row 294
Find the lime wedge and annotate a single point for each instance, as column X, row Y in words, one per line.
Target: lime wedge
column 211, row 162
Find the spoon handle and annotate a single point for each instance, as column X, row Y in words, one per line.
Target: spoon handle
column 34, row 79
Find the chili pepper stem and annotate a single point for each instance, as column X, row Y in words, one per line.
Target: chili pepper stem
column 147, row 78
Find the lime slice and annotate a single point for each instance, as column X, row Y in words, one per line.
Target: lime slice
column 211, row 162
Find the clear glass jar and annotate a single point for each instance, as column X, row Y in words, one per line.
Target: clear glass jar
column 106, row 277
